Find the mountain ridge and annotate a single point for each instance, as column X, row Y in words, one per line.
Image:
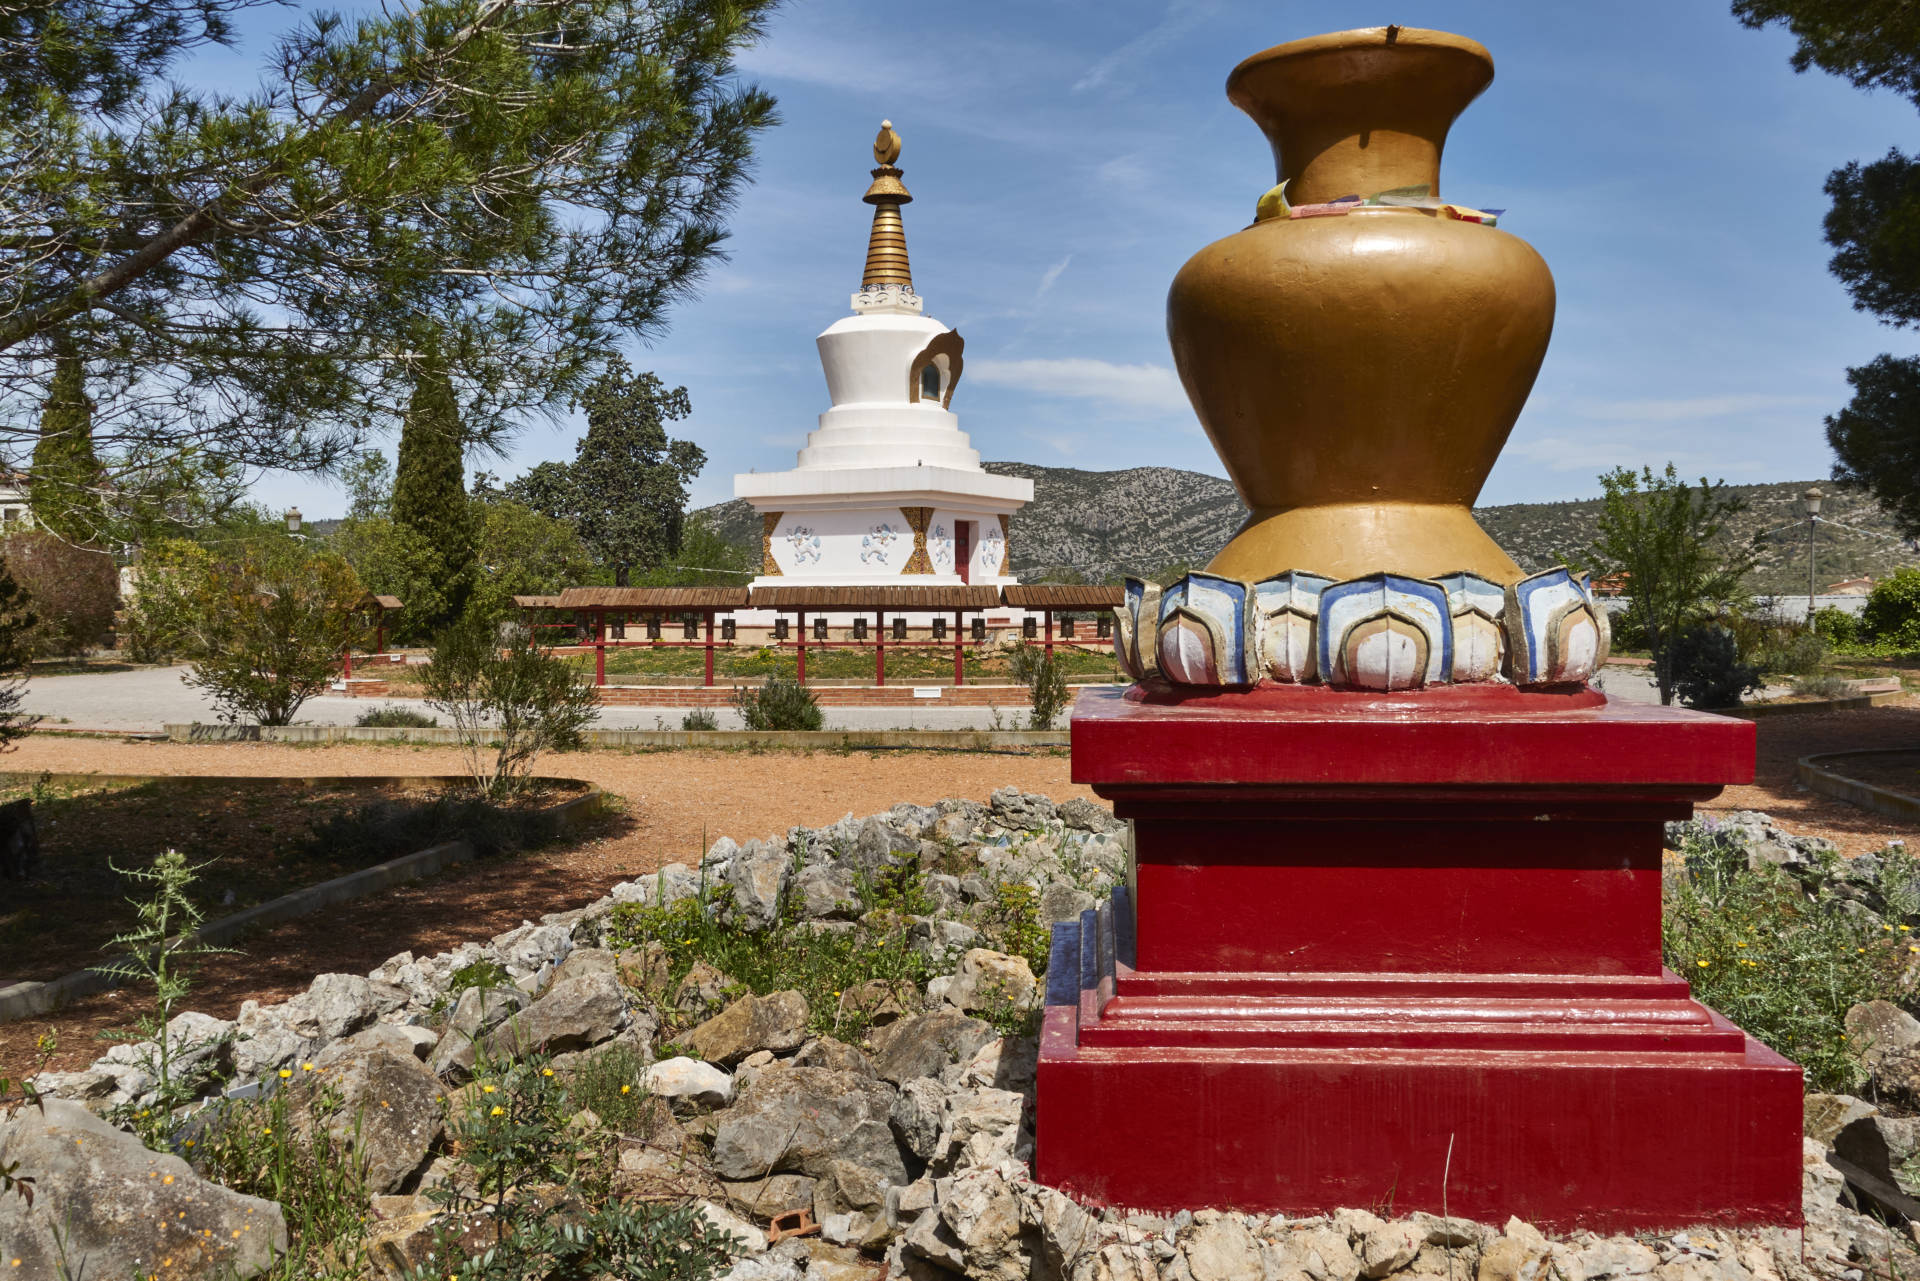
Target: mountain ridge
column 1154, row 520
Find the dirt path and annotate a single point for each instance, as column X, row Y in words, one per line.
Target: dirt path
column 678, row 802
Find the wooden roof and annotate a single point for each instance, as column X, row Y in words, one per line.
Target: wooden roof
column 653, row 598
column 537, row 602
column 384, row 602
column 1063, row 596
column 884, row 597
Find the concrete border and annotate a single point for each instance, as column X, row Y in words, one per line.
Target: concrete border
column 1853, row 703
column 1817, row 773
column 23, row 1000
column 954, row 740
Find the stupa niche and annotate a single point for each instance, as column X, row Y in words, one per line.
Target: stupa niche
column 888, row 490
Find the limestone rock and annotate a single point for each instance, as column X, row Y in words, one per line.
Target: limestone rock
column 265, row 1041
column 983, row 1216
column 703, row 988
column 978, row 1128
column 387, row 1106
column 880, row 845
column 1825, row 1115
column 878, row 1001
column 531, row 948
column 573, row 1013
column 1063, row 902
column 1389, row 1247
column 758, row 877
column 989, row 980
column 916, row 1115
column 777, row 1022
column 749, row 1239
column 1876, row 1029
column 838, row 1056
column 477, row 1011
column 774, row 1195
column 647, row 968
column 337, row 1004
column 1223, row 1250
column 939, row 937
column 116, row 1205
column 827, row 892
column 925, row 1044
column 799, row 1120
column 689, row 1080
column 1323, row 1254
column 1007, row 1063
column 398, row 1039
column 1020, row 811
column 1616, row 1257
column 1084, row 815
column 1511, row 1258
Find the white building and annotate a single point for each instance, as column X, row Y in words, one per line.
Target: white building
column 887, row 491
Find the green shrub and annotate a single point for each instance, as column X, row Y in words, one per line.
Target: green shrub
column 484, row 974
column 1784, row 966
column 608, row 1084
column 1823, row 686
column 504, row 690
column 1013, row 924
column 778, row 704
column 1836, row 626
column 1892, row 616
column 1046, row 683
column 393, row 716
column 1707, row 671
column 699, row 718
column 1793, row 649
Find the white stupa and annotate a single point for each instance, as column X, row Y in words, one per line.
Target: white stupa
column 887, row 491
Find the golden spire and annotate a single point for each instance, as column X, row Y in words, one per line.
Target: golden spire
column 887, row 242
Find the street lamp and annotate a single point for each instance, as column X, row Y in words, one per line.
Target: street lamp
column 292, row 518
column 1811, row 500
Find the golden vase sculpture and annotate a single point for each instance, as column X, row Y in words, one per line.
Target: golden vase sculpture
column 1359, row 374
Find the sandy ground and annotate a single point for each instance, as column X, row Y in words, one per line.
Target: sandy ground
column 676, row 803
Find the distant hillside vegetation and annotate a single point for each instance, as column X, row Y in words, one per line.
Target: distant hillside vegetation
column 1100, row 524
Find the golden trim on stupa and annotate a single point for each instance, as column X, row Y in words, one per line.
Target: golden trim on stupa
column 887, row 243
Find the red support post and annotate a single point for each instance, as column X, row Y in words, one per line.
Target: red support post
column 802, row 615
column 709, row 647
column 879, row 647
column 380, row 629
column 599, row 647
column 959, row 651
column 346, row 663
column 1049, row 637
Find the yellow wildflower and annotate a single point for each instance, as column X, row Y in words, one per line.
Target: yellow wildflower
column 498, row 1111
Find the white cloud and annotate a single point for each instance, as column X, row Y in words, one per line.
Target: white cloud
column 1052, row 274
column 1692, row 408
column 1181, row 17
column 1152, row 388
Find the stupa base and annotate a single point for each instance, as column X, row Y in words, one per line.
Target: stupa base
column 1403, row 951
column 1604, row 1103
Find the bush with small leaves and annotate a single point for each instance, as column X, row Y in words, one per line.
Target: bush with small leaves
column 779, row 704
column 392, row 716
column 699, row 719
column 1707, row 671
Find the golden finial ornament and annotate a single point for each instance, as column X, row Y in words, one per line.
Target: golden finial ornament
column 887, row 242
column 886, row 146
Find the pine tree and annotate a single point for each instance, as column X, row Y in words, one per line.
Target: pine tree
column 66, row 473
column 429, row 490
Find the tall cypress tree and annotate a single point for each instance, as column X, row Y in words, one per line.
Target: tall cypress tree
column 66, row 472
column 429, row 489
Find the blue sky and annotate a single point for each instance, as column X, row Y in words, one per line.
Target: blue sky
column 1066, row 156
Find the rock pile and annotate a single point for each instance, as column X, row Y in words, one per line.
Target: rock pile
column 910, row 1148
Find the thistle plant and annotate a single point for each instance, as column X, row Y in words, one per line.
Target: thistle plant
column 162, row 949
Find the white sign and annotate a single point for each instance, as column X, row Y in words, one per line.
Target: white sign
column 926, row 691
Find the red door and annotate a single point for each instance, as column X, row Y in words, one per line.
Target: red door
column 963, row 549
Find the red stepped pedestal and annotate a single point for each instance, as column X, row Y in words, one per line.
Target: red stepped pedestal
column 1403, row 950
